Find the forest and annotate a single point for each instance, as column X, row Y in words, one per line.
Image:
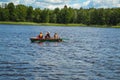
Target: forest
column 66, row 15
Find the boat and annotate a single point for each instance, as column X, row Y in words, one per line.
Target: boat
column 34, row 39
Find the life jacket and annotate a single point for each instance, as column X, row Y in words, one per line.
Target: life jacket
column 40, row 36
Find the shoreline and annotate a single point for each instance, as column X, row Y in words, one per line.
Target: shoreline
column 39, row 24
column 56, row 24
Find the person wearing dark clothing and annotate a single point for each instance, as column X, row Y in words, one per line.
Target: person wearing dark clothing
column 47, row 36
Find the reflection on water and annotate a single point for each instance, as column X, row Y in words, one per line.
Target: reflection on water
column 86, row 54
column 42, row 44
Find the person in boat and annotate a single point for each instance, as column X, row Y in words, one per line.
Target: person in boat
column 47, row 36
column 40, row 36
column 56, row 36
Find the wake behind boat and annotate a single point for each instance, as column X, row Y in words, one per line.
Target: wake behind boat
column 34, row 39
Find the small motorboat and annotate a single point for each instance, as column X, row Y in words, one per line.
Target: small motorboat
column 34, row 39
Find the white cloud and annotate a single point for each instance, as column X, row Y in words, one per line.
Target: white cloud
column 102, row 3
column 55, row 6
column 51, row 4
column 72, row 3
column 118, row 5
column 14, row 1
column 57, row 1
column 86, row 3
column 27, row 2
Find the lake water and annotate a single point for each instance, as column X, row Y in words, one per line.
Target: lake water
column 85, row 54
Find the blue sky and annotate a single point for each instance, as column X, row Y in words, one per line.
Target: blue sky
column 71, row 3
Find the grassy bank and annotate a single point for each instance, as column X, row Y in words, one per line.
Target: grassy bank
column 54, row 24
column 41, row 24
column 19, row 23
column 116, row 26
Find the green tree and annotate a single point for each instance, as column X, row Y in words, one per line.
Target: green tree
column 45, row 16
column 100, row 16
column 37, row 16
column 93, row 16
column 4, row 14
column 12, row 13
column 83, row 16
column 56, row 13
column 80, row 15
column 21, row 12
column 72, row 15
column 114, row 16
column 0, row 14
column 97, row 16
column 107, row 16
column 64, row 15
column 53, row 17
column 117, row 11
column 29, row 16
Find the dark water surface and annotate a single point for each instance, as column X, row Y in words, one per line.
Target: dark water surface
column 86, row 54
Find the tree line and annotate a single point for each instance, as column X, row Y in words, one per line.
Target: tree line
column 91, row 16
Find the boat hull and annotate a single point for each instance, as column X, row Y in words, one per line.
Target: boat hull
column 45, row 40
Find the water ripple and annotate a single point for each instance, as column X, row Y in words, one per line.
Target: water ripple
column 86, row 54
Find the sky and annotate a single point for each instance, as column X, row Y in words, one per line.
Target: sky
column 51, row 4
